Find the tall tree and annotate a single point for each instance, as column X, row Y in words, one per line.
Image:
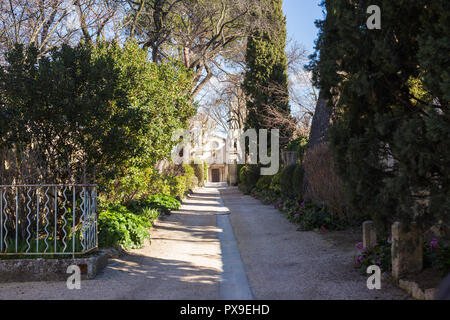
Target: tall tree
column 266, row 77
column 389, row 88
column 51, row 23
column 198, row 32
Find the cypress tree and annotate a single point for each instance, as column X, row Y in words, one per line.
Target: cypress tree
column 266, row 78
column 390, row 90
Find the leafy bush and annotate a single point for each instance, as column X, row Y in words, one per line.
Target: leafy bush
column 275, row 185
column 308, row 216
column 199, row 174
column 188, row 174
column 205, row 171
column 437, row 255
column 297, row 180
column 264, row 183
column 119, row 226
column 178, row 187
column 379, row 255
column 194, row 181
column 286, row 179
column 239, row 168
column 249, row 176
column 298, row 145
column 106, row 103
column 162, row 202
column 311, row 217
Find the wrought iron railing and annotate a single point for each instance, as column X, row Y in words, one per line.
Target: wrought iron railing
column 48, row 219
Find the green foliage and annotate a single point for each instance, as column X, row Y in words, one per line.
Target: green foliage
column 130, row 225
column 275, row 185
column 264, row 183
column 188, row 174
column 266, row 63
column 90, row 106
column 205, row 171
column 199, row 173
column 162, row 202
column 312, row 217
column 379, row 255
column 437, row 255
column 249, row 176
column 297, row 180
column 307, row 215
column 298, row 145
column 390, row 88
column 119, row 226
column 178, row 186
column 239, row 168
column 286, row 180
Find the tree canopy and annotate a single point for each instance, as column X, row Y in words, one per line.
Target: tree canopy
column 97, row 108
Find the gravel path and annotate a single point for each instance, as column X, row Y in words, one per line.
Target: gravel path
column 183, row 262
column 282, row 263
column 258, row 255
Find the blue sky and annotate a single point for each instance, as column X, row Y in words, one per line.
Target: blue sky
column 301, row 15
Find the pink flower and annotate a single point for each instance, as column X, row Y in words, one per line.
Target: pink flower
column 434, row 244
column 297, row 215
column 359, row 246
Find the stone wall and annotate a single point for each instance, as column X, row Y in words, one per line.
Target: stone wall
column 23, row 270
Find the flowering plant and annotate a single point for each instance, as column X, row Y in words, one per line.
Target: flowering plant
column 379, row 254
column 437, row 255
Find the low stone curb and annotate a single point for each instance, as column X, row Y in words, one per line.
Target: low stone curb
column 28, row 270
column 416, row 292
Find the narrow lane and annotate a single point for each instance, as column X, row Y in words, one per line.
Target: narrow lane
column 283, row 263
column 189, row 258
column 221, row 245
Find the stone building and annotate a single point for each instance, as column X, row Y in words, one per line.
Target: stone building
column 221, row 167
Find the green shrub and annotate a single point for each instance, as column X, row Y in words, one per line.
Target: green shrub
column 119, row 226
column 275, row 186
column 194, row 181
column 162, row 202
column 298, row 145
column 160, row 184
column 297, row 180
column 264, row 183
column 379, row 254
column 286, row 179
column 239, row 168
column 205, row 171
column 437, row 255
column 311, row 217
column 188, row 174
column 199, row 174
column 178, row 186
column 249, row 176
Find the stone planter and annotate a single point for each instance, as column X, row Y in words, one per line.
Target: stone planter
column 26, row 270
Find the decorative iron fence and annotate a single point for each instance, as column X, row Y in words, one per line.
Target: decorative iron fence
column 48, row 219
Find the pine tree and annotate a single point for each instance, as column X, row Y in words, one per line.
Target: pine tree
column 266, row 79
